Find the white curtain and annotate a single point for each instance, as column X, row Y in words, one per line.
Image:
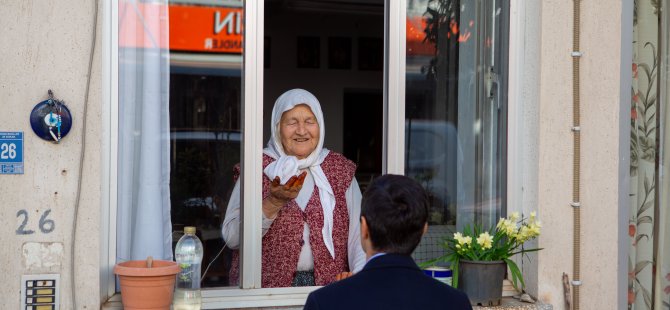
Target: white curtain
column 143, row 214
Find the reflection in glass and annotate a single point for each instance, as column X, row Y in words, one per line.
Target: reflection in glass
column 205, row 145
column 205, row 124
column 143, row 215
column 455, row 112
column 334, row 50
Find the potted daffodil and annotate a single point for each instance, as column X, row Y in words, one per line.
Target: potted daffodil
column 480, row 257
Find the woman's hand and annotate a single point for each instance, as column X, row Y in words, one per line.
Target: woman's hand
column 282, row 194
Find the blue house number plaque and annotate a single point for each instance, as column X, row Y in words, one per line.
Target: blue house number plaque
column 11, row 152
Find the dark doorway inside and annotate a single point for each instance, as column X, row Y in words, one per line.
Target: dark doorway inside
column 335, row 50
column 363, row 133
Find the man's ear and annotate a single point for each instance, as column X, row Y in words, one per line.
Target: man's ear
column 425, row 228
column 365, row 231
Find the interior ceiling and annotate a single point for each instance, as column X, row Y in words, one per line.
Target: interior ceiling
column 328, row 6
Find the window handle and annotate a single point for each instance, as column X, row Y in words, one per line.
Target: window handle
column 492, row 82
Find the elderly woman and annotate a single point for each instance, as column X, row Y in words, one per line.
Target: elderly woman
column 311, row 202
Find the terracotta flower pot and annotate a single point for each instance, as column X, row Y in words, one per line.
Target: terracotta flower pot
column 146, row 288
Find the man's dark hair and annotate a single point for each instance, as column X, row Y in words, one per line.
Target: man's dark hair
column 395, row 208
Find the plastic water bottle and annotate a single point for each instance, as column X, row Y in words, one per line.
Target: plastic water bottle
column 188, row 255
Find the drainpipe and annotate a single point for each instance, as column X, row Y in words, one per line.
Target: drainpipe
column 576, row 55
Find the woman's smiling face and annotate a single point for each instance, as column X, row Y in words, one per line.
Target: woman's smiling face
column 299, row 131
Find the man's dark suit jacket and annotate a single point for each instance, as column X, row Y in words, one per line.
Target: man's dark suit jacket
column 388, row 282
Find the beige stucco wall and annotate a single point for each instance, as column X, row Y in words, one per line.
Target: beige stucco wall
column 46, row 45
column 600, row 157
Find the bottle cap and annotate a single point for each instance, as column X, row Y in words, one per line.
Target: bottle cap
column 189, row 230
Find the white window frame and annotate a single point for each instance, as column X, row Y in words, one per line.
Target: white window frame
column 110, row 139
column 523, row 120
column 250, row 293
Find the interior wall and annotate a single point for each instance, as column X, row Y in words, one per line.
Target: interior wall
column 328, row 85
column 46, row 45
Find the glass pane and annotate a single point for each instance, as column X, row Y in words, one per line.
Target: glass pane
column 205, row 130
column 179, row 128
column 455, row 112
column 143, row 214
column 334, row 50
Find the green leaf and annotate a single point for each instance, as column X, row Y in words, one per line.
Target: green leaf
column 432, row 261
column 524, row 251
column 454, row 272
column 516, row 273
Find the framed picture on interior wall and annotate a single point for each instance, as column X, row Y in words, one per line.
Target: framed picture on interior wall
column 370, row 54
column 308, row 52
column 267, row 48
column 339, row 53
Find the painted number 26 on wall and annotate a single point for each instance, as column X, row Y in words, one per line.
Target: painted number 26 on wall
column 46, row 225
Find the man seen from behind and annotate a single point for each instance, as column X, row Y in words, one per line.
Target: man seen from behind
column 394, row 217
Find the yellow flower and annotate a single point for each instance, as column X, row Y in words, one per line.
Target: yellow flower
column 458, row 237
column 524, row 234
column 510, row 228
column 485, row 240
column 501, row 223
column 534, row 229
column 467, row 240
column 514, row 217
column 507, row 227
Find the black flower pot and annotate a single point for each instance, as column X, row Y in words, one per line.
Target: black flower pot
column 482, row 281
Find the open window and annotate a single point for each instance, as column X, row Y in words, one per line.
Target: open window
column 415, row 87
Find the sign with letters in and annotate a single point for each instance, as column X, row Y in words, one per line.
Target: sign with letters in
column 11, row 152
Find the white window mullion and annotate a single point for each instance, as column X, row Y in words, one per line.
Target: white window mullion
column 110, row 142
column 394, row 122
column 515, row 98
column 252, row 135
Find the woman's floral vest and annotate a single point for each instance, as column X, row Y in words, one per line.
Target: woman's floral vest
column 284, row 240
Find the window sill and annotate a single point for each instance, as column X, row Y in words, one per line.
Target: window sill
column 509, row 303
column 114, row 303
column 254, row 300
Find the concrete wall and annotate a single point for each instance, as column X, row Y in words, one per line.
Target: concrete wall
column 46, row 45
column 601, row 113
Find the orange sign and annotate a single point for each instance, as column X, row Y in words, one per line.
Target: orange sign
column 206, row 29
column 143, row 25
column 415, row 35
column 190, row 28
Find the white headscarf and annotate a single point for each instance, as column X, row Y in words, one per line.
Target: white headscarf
column 286, row 166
